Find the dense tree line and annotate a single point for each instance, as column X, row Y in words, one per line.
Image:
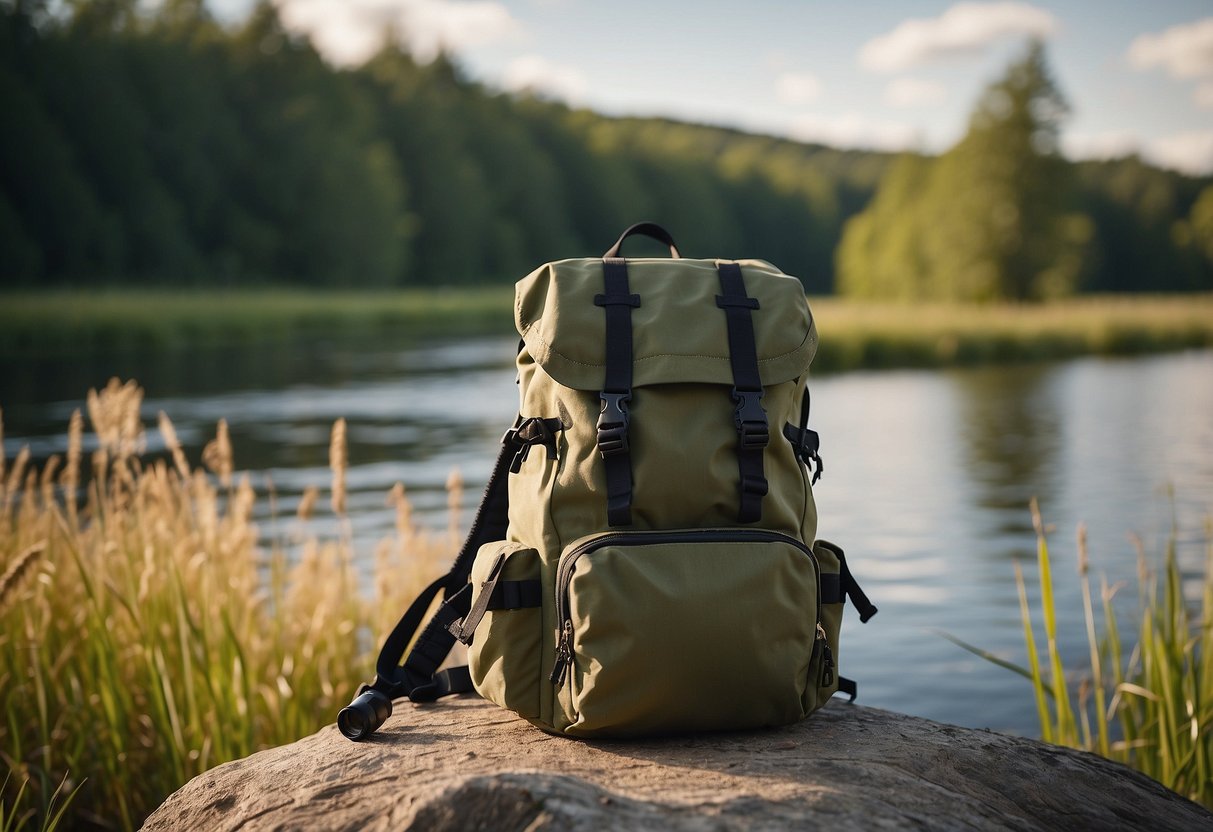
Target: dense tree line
column 164, row 148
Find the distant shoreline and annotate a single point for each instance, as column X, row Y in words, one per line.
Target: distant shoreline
column 853, row 335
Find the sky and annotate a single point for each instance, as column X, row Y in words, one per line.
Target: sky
column 877, row 74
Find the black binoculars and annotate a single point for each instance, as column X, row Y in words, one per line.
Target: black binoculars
column 362, row 717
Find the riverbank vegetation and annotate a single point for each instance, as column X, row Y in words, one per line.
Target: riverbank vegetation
column 153, row 630
column 1143, row 695
column 148, row 144
column 853, row 335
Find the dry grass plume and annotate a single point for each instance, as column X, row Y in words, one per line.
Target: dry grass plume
column 150, row 629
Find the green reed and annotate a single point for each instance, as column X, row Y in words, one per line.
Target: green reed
column 1149, row 706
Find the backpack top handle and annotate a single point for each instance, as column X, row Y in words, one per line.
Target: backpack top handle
column 648, row 229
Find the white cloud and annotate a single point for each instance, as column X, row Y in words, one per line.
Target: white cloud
column 349, row 31
column 913, row 92
column 1204, row 96
column 538, row 75
column 1184, row 51
column 797, row 87
column 964, row 29
column 1110, row 145
column 1190, row 152
column 854, row 130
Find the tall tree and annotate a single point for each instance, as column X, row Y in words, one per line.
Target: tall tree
column 992, row 217
column 1200, row 229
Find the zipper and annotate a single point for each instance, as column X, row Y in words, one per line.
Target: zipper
column 564, row 655
column 827, row 657
column 564, row 575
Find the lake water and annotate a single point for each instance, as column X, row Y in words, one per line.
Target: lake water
column 927, row 482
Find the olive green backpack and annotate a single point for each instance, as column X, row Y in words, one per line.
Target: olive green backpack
column 645, row 558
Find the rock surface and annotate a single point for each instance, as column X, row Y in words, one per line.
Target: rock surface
column 463, row 764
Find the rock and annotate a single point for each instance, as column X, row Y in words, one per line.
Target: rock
column 461, row 764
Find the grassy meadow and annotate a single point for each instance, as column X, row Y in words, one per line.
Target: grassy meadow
column 66, row 322
column 854, row 335
column 857, row 335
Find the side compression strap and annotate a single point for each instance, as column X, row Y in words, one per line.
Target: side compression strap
column 850, row 587
column 496, row 594
column 617, row 302
column 807, row 442
column 837, row 588
column 419, row 678
column 753, row 432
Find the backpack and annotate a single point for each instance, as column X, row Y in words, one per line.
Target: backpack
column 644, row 560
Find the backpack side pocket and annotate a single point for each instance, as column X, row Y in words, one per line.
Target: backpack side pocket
column 503, row 657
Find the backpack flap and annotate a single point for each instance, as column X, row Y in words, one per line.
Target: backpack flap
column 679, row 334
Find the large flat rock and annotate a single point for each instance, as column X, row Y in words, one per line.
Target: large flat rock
column 462, row 764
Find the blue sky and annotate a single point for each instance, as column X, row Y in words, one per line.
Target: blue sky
column 889, row 75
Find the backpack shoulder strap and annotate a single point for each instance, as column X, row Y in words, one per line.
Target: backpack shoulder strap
column 418, row 678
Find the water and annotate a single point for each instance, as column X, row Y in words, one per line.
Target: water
column 927, row 483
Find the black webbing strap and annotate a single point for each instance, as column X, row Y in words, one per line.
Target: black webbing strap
column 516, row 595
column 432, row 647
column 495, row 594
column 753, row 432
column 806, row 442
column 419, row 678
column 847, row 687
column 648, row 229
column 831, row 588
column 850, row 587
column 837, row 588
column 617, row 302
column 463, row 628
column 535, row 431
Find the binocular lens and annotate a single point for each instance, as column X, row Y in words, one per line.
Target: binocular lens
column 364, row 715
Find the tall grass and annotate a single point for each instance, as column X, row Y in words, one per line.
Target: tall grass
column 1149, row 705
column 876, row 335
column 66, row 322
column 147, row 633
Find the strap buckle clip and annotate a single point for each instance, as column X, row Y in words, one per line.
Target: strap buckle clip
column 613, row 424
column 809, row 453
column 750, row 419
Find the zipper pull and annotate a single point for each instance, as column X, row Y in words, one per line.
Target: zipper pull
column 564, row 655
column 827, row 658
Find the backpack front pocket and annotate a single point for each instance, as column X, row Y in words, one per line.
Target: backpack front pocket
column 684, row 631
column 504, row 655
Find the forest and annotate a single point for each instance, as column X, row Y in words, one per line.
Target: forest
column 164, row 149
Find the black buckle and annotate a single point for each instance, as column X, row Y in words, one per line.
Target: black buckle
column 613, row 424
column 532, row 431
column 809, row 452
column 510, row 437
column 751, row 419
